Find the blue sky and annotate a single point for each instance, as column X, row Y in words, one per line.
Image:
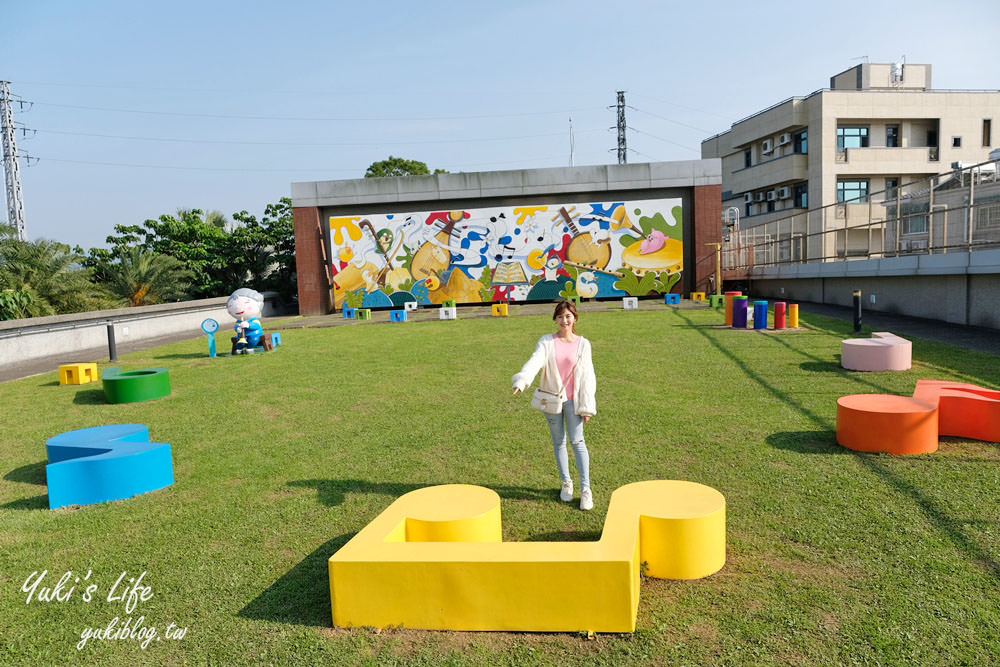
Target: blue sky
column 143, row 108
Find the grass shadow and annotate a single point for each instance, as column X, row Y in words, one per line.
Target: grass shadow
column 190, row 355
column 301, row 596
column 331, row 492
column 90, row 397
column 566, row 536
column 812, row 441
column 33, row 503
column 806, row 442
column 822, row 367
column 33, row 473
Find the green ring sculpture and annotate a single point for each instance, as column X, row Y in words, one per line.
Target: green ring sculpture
column 135, row 386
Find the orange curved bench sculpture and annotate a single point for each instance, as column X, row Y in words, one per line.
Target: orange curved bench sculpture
column 904, row 425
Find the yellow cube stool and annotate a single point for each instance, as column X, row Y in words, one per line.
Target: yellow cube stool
column 499, row 310
column 435, row 560
column 77, row 373
column 697, row 296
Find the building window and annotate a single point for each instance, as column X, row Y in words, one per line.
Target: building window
column 749, row 210
column 799, row 142
column 915, row 224
column 892, row 136
column 854, row 190
column 770, row 206
column 987, row 131
column 800, row 194
column 747, row 160
column 988, row 217
column 852, row 136
column 891, row 184
column 956, row 142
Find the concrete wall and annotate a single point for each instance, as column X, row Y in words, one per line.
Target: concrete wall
column 38, row 337
column 962, row 288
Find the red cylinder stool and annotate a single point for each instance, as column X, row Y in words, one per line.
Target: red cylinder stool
column 779, row 314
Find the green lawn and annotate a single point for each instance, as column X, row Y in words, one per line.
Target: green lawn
column 834, row 557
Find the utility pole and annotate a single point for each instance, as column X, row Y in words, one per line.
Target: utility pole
column 622, row 157
column 12, row 174
column 572, row 143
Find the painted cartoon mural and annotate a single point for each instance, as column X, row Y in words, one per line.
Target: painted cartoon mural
column 513, row 253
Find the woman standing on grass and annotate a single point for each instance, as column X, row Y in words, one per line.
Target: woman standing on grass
column 567, row 368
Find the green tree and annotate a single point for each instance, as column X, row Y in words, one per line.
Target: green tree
column 397, row 166
column 198, row 245
column 262, row 253
column 45, row 277
column 142, row 277
column 220, row 255
column 14, row 304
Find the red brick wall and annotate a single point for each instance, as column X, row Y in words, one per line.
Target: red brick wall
column 314, row 290
column 707, row 229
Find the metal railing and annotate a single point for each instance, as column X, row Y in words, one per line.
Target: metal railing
column 954, row 211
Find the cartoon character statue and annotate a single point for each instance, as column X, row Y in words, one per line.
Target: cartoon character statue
column 245, row 305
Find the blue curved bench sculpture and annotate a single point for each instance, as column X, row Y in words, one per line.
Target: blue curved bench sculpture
column 105, row 463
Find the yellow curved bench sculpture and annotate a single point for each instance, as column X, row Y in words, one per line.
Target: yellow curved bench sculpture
column 434, row 560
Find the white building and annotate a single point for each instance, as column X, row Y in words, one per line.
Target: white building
column 878, row 129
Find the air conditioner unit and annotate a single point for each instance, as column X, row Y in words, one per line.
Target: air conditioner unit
column 785, row 193
column 784, row 138
column 767, row 146
column 748, row 197
column 758, row 196
column 772, row 195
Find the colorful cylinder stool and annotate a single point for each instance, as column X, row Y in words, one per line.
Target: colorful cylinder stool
column 728, row 303
column 740, row 312
column 793, row 316
column 779, row 314
column 760, row 314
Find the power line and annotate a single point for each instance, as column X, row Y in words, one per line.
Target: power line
column 303, row 143
column 327, row 92
column 132, row 165
column 668, row 141
column 669, row 120
column 682, row 106
column 383, row 119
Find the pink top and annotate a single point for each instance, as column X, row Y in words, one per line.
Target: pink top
column 565, row 361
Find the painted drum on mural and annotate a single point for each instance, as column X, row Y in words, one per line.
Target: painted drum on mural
column 511, row 253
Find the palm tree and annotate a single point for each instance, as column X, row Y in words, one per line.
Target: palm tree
column 214, row 218
column 143, row 277
column 46, row 277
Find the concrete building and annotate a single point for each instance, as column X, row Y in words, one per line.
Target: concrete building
column 810, row 173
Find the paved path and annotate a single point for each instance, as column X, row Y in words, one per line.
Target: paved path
column 973, row 338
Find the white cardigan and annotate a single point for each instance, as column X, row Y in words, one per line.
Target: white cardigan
column 544, row 359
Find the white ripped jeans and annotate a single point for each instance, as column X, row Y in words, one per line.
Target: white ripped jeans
column 568, row 422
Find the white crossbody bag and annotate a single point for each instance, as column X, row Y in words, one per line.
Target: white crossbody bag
column 551, row 403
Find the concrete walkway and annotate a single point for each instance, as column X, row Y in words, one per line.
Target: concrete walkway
column 972, row 338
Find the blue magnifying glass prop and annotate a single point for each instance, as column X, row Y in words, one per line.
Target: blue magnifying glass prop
column 210, row 326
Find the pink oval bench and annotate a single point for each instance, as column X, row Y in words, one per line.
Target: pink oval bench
column 882, row 352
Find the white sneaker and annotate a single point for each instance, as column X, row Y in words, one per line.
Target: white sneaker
column 586, row 499
column 566, row 493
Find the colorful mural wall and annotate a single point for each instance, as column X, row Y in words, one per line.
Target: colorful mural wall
column 511, row 253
